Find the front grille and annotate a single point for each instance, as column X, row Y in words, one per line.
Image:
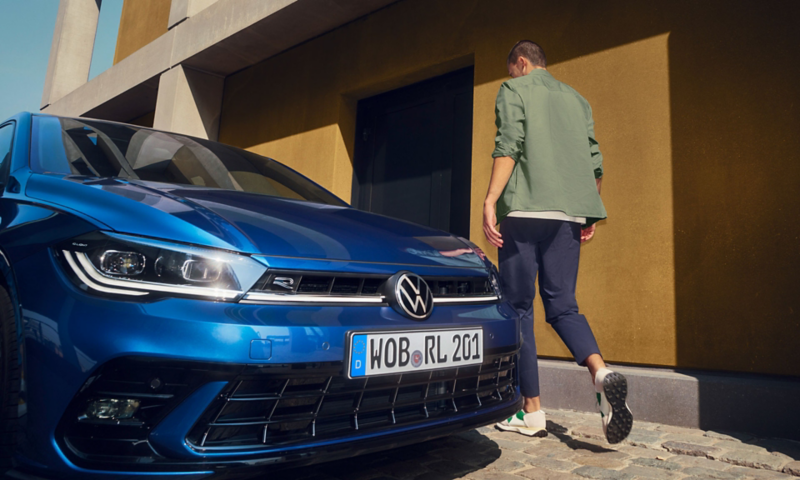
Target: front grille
column 277, row 406
column 291, row 282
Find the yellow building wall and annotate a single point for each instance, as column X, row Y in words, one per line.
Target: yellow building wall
column 696, row 109
column 141, row 22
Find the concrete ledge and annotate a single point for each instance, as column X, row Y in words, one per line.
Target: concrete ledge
column 124, row 91
column 754, row 404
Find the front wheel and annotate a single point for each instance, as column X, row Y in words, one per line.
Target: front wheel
column 9, row 379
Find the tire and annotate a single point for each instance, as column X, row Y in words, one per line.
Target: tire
column 10, row 370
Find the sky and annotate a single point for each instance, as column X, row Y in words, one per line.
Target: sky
column 26, row 33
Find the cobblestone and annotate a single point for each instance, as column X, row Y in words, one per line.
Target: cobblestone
column 734, row 445
column 792, row 469
column 750, row 459
column 508, row 444
column 700, row 462
column 586, row 445
column 646, row 425
column 760, row 474
column 601, row 461
column 695, row 439
column 709, row 473
column 602, row 473
column 683, row 448
column 643, row 452
column 655, row 463
column 574, row 450
column 537, row 473
column 549, row 463
column 510, row 461
column 481, row 475
column 644, row 439
column 674, row 429
column 560, row 451
column 647, row 472
column 589, row 431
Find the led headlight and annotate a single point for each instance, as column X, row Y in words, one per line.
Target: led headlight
column 126, row 265
column 113, row 262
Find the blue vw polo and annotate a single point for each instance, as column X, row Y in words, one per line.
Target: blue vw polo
column 175, row 306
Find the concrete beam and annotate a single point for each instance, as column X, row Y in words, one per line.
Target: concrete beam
column 189, row 102
column 180, row 10
column 221, row 38
column 71, row 50
column 756, row 404
column 255, row 31
column 115, row 91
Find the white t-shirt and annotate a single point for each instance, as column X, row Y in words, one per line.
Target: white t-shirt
column 548, row 215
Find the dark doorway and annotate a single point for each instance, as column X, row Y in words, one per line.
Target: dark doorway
column 413, row 154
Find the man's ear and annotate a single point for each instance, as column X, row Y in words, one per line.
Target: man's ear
column 524, row 65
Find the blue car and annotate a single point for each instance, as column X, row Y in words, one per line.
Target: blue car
column 171, row 306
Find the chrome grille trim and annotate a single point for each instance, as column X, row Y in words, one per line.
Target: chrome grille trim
column 259, row 297
column 475, row 299
column 337, row 288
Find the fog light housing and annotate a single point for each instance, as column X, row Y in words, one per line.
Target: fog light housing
column 112, row 409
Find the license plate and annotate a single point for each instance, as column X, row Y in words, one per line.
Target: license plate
column 380, row 353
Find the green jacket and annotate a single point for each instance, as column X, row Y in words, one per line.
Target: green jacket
column 547, row 128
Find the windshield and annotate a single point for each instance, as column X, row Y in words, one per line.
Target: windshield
column 93, row 148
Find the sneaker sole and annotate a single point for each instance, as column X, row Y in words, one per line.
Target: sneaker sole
column 615, row 387
column 525, row 431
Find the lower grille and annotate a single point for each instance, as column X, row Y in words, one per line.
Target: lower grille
column 277, row 406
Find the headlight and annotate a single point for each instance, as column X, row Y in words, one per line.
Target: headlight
column 132, row 266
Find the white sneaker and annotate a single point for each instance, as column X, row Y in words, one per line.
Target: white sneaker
column 612, row 390
column 531, row 424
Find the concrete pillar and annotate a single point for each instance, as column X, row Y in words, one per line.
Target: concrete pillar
column 180, row 10
column 71, row 50
column 189, row 102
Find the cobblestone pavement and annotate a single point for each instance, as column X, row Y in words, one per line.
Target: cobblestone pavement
column 574, row 449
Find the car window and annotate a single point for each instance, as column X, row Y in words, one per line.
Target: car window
column 101, row 149
column 6, row 138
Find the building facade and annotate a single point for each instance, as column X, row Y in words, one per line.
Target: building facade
column 696, row 107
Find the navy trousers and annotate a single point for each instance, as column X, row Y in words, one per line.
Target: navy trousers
column 551, row 249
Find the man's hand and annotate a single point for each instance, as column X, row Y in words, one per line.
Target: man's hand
column 587, row 233
column 501, row 172
column 489, row 223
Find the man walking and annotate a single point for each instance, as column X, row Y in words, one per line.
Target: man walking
column 545, row 187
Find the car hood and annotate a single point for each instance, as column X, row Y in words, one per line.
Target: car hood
column 251, row 223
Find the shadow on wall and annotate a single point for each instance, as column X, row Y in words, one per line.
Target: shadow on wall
column 735, row 105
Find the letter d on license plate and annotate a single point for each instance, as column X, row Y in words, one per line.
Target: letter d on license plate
column 380, row 353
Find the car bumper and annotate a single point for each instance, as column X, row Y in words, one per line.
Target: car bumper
column 72, row 339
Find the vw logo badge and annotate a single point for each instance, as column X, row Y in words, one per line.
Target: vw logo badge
column 409, row 295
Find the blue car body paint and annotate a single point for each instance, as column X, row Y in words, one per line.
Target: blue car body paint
column 73, row 338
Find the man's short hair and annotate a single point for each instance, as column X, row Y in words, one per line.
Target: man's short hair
column 530, row 50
